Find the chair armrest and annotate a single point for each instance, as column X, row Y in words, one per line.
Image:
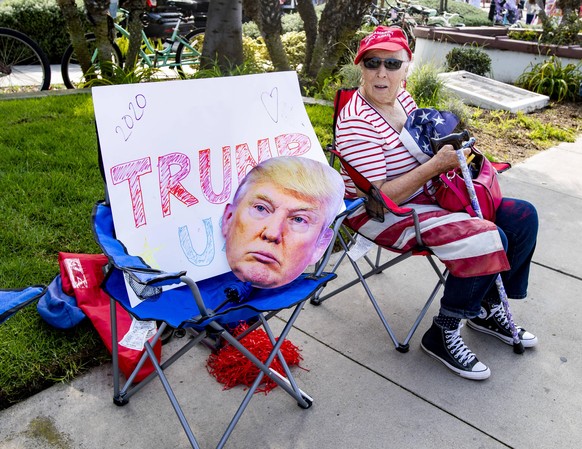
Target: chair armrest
column 134, row 267
column 394, row 208
column 146, row 282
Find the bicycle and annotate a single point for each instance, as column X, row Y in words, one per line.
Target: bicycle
column 420, row 13
column 399, row 16
column 24, row 66
column 376, row 16
column 445, row 20
column 185, row 59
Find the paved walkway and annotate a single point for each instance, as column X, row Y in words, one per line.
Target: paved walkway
column 367, row 395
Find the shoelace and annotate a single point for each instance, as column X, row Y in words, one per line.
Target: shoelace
column 457, row 346
column 499, row 312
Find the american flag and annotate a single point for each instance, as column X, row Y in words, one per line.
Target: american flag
column 422, row 125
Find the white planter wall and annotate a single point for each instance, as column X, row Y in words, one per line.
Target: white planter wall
column 506, row 66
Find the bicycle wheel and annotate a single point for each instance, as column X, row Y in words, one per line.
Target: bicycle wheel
column 188, row 57
column 73, row 76
column 408, row 29
column 23, row 64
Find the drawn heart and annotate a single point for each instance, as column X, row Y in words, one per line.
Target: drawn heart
column 271, row 103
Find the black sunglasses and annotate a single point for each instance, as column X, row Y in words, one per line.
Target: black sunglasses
column 389, row 63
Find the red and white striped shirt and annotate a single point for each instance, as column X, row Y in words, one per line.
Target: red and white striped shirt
column 466, row 245
column 370, row 144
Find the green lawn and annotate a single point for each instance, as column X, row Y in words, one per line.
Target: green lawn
column 49, row 182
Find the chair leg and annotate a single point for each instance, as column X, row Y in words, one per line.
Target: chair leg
column 441, row 282
column 296, row 393
column 117, row 398
column 121, row 396
column 288, row 384
column 400, row 346
column 316, row 300
column 289, row 379
column 172, row 397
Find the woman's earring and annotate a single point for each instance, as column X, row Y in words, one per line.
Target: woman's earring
column 403, row 83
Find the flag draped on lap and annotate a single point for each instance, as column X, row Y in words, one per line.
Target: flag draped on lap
column 466, row 245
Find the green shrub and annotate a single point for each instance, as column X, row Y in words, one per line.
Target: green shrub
column 330, row 87
column 120, row 75
column 251, row 29
column 294, row 44
column 292, row 22
column 553, row 79
column 471, row 58
column 429, row 91
column 425, row 85
column 461, row 110
column 562, row 32
column 255, row 54
column 350, row 75
column 528, row 35
column 41, row 20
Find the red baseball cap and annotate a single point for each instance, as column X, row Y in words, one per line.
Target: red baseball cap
column 384, row 38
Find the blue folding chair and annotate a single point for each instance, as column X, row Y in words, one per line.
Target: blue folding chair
column 207, row 307
column 11, row 301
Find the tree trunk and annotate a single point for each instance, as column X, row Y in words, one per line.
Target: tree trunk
column 339, row 22
column 76, row 32
column 569, row 6
column 271, row 29
column 97, row 11
column 542, row 10
column 134, row 26
column 306, row 10
column 223, row 36
column 252, row 11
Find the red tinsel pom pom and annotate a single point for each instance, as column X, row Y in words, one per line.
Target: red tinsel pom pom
column 232, row 368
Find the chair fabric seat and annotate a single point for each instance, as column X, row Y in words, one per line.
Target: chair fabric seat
column 179, row 309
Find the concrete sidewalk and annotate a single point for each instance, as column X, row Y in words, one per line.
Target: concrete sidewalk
column 366, row 394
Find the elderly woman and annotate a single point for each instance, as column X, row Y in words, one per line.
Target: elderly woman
column 475, row 251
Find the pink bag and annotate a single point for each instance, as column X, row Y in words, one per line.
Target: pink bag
column 451, row 193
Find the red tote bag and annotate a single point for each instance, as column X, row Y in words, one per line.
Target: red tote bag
column 82, row 275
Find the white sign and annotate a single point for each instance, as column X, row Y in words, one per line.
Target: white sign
column 174, row 153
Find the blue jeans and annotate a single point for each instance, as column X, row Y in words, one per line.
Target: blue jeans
column 517, row 223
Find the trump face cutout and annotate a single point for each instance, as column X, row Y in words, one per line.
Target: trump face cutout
column 274, row 229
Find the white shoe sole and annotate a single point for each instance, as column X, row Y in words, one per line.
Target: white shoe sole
column 472, row 375
column 527, row 342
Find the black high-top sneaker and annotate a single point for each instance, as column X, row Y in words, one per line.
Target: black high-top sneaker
column 449, row 347
column 492, row 320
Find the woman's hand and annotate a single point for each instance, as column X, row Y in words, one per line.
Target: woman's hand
column 446, row 159
column 401, row 188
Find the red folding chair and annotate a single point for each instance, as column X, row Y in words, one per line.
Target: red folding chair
column 346, row 240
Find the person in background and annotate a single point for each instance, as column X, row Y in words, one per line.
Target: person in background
column 530, row 11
